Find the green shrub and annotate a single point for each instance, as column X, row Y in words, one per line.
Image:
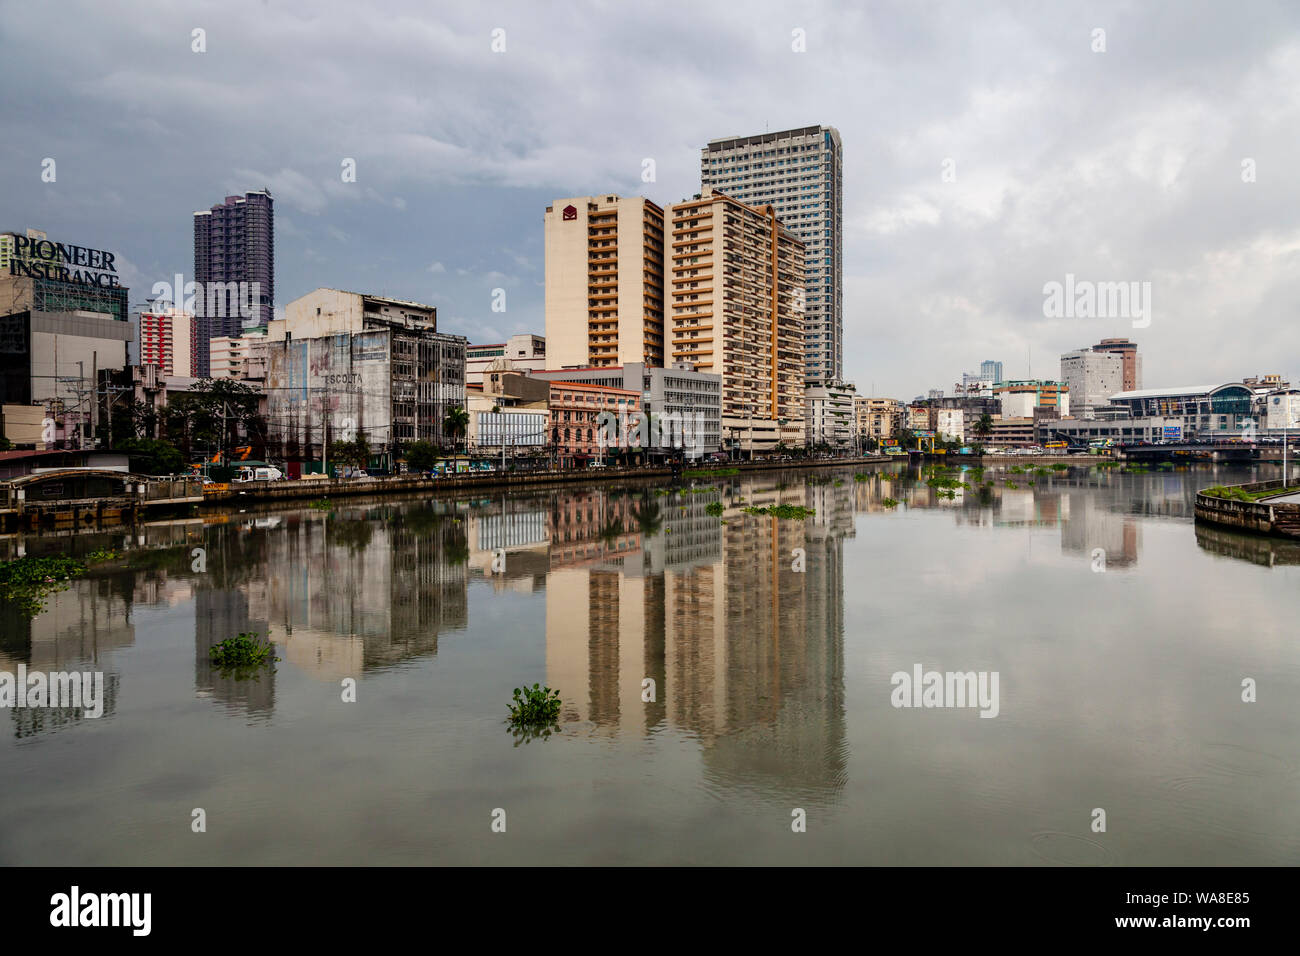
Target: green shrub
column 714, row 508
column 242, row 650
column 889, row 502
column 534, row 706
column 27, row 581
column 792, row 512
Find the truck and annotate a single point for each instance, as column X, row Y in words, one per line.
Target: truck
column 260, row 473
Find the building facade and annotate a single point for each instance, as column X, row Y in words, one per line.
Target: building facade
column 166, row 340
column 877, row 418
column 526, row 352
column 343, row 365
column 991, row 371
column 950, row 424
column 576, row 436
column 829, row 415
column 737, row 311
column 799, row 172
column 604, row 281
column 1092, row 377
column 1018, row 399
column 229, row 355
column 1128, row 352
column 680, row 394
column 234, row 242
column 63, row 320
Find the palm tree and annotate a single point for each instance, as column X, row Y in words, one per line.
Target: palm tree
column 648, row 518
column 456, row 424
column 984, row 427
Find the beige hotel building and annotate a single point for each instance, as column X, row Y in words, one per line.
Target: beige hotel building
column 737, row 310
column 604, row 282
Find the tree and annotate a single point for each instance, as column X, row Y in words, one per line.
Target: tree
column 421, row 455
column 456, row 423
column 213, row 413
column 355, row 452
column 152, row 456
column 984, row 427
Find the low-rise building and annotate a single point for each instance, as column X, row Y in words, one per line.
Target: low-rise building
column 525, row 352
column 576, row 434
column 950, row 424
column 1018, row 399
column 829, row 416
column 228, row 355
column 876, row 418
column 689, row 401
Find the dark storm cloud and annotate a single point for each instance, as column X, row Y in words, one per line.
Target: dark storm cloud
column 1115, row 166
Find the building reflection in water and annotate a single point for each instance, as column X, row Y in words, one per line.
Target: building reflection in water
column 78, row 631
column 745, row 652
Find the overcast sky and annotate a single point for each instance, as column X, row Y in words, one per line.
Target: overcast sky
column 1123, row 165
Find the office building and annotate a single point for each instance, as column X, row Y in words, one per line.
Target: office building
column 63, row 319
column 991, row 371
column 1128, row 351
column 1093, row 376
column 737, row 311
column 604, row 281
column 799, row 172
column 234, row 267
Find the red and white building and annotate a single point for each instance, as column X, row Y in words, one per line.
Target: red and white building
column 167, row 341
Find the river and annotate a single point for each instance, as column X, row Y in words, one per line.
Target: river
column 727, row 683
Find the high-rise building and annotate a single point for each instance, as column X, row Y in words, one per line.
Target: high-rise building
column 799, row 172
column 1128, row 351
column 991, row 371
column 234, row 243
column 737, row 311
column 604, row 281
column 1093, row 377
column 165, row 340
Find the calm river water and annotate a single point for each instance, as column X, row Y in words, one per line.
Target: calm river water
column 1119, row 632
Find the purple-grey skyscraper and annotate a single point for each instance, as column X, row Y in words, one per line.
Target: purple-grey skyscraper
column 234, row 242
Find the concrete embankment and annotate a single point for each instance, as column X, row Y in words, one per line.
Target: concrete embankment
column 1260, row 517
column 496, row 481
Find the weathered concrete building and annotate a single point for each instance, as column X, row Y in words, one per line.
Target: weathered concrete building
column 342, row 365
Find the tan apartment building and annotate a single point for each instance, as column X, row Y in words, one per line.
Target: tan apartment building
column 604, row 282
column 877, row 418
column 737, row 311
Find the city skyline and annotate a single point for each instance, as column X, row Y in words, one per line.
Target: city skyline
column 1137, row 175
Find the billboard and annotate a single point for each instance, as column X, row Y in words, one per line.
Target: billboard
column 1173, row 432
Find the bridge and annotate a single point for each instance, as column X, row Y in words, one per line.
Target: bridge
column 1190, row 451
